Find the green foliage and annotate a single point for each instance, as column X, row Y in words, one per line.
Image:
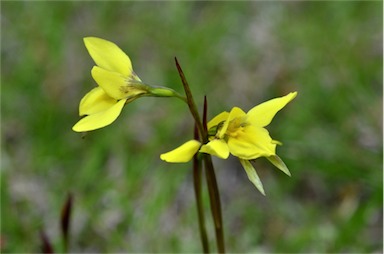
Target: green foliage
column 238, row 54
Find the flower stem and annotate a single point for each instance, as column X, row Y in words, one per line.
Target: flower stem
column 213, row 191
column 214, row 198
column 197, row 169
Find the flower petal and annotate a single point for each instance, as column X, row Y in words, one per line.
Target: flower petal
column 115, row 85
column 252, row 175
column 279, row 163
column 251, row 142
column 183, row 153
column 235, row 112
column 218, row 119
column 262, row 114
column 217, row 147
column 108, row 55
column 101, row 119
column 95, row 101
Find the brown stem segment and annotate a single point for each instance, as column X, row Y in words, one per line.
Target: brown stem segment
column 191, row 102
column 197, row 170
column 213, row 190
column 214, row 198
column 210, row 173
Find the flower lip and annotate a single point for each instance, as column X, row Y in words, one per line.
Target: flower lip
column 235, row 113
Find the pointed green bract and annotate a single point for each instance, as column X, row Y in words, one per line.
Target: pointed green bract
column 252, row 175
column 275, row 160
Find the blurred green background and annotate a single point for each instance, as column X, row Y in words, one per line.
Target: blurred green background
column 238, row 54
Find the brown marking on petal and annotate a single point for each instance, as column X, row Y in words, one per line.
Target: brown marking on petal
column 125, row 89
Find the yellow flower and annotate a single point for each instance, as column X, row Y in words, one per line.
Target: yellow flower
column 242, row 135
column 118, row 85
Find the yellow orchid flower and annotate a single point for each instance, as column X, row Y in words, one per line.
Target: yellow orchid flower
column 118, row 85
column 240, row 134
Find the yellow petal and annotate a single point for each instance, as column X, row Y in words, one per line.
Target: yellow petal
column 115, row 85
column 95, row 101
column 218, row 119
column 262, row 114
column 217, row 147
column 183, row 153
column 108, row 55
column 279, row 163
column 235, row 112
column 252, row 175
column 101, row 119
column 251, row 142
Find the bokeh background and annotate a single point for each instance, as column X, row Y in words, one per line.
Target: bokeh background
column 237, row 54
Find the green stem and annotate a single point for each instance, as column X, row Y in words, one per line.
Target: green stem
column 160, row 91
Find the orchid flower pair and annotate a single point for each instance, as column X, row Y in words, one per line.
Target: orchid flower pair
column 236, row 132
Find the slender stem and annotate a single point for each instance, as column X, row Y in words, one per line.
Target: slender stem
column 210, row 173
column 214, row 198
column 197, row 170
column 213, row 189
